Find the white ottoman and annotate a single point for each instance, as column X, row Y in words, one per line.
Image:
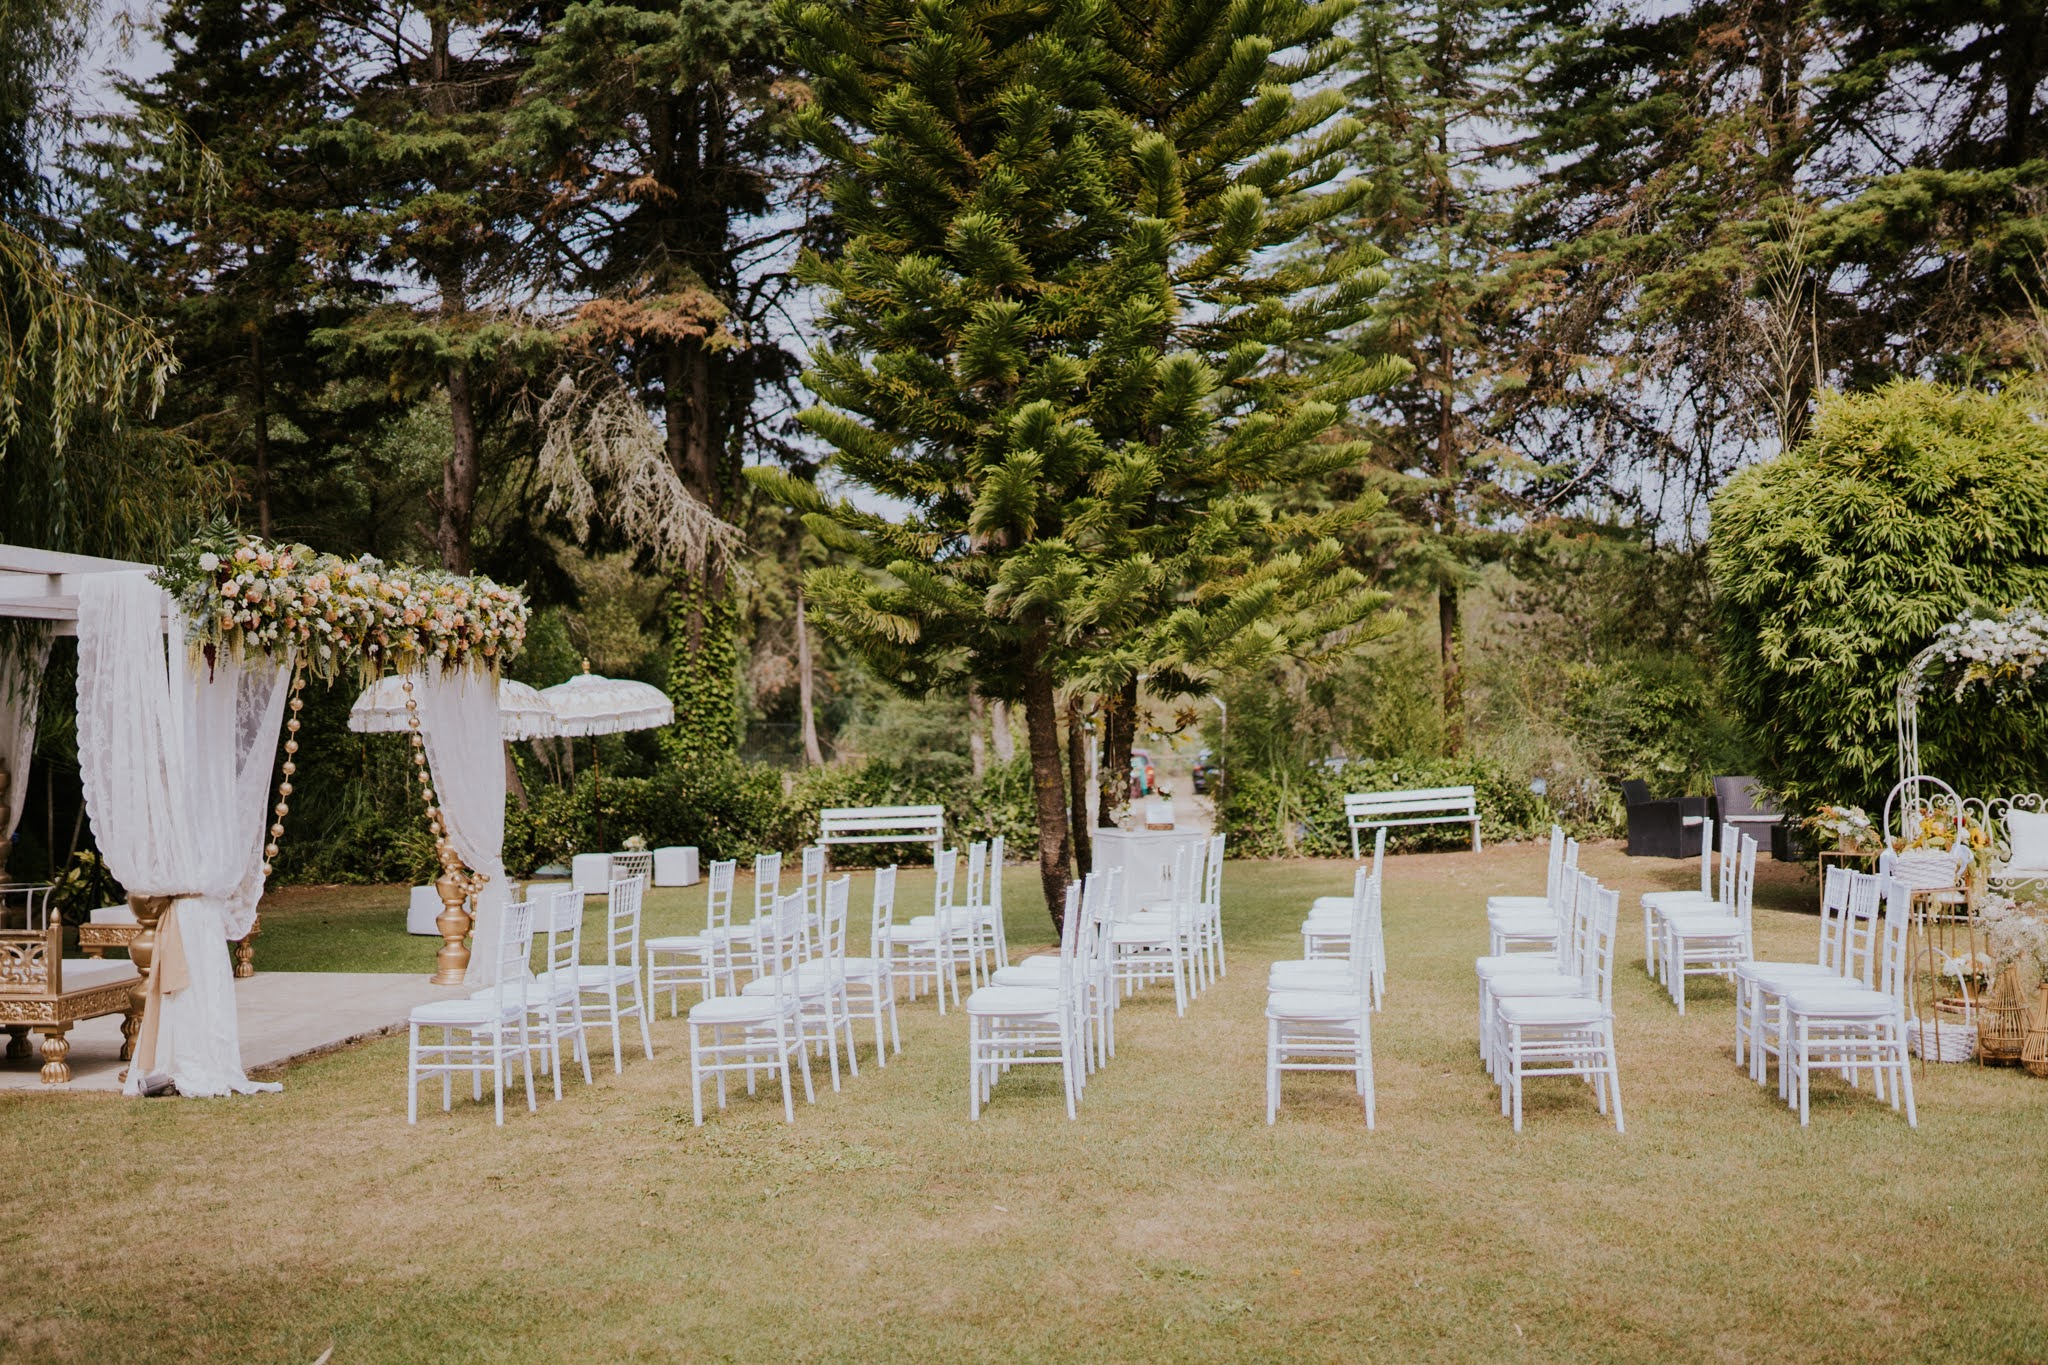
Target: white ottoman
column 421, row 912
column 592, row 873
column 675, row 867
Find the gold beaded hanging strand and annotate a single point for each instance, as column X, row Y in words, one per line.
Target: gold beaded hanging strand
column 245, row 947
column 455, row 885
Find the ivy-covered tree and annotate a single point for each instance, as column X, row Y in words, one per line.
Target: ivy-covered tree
column 655, row 129
column 1067, row 333
column 1836, row 563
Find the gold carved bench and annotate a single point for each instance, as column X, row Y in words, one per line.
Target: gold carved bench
column 43, row 991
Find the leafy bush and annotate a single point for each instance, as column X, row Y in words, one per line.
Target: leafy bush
column 1835, row 563
column 732, row 809
column 1299, row 810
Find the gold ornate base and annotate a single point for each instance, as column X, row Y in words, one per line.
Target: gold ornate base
column 245, row 951
column 56, row 1051
column 454, row 924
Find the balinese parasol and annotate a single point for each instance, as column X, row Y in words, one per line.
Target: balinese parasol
column 590, row 704
column 523, row 713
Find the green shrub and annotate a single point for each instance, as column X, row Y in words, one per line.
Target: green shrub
column 1835, row 564
column 728, row 808
column 1299, row 810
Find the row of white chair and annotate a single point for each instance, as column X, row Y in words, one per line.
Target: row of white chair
column 1550, row 1012
column 526, row 1014
column 1319, row 1007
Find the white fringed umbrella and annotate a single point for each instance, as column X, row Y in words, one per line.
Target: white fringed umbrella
column 590, row 704
column 523, row 713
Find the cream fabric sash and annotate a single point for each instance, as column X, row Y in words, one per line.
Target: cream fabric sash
column 168, row 974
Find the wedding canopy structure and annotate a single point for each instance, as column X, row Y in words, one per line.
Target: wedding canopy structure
column 184, row 676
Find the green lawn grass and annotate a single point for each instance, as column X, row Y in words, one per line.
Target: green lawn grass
column 1169, row 1223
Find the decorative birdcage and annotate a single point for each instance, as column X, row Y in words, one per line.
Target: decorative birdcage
column 2002, row 1021
column 2034, row 1051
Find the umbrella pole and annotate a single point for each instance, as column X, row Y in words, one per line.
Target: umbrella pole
column 597, row 791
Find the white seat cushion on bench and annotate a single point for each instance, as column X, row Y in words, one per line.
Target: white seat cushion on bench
column 114, row 914
column 83, row 973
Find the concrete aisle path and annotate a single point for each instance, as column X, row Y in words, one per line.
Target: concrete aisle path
column 283, row 1016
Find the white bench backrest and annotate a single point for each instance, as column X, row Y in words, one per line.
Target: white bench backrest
column 883, row 825
column 1424, row 801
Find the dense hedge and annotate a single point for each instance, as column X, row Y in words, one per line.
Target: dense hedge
column 1299, row 811
column 1835, row 564
column 727, row 808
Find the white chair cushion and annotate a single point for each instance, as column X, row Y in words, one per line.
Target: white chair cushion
column 1671, row 900
column 1025, row 974
column 1707, row 926
column 1329, row 905
column 461, row 1012
column 2027, row 832
column 1514, row 903
column 1018, row 1000
column 1513, row 964
column 83, row 973
column 114, row 914
column 1141, row 934
column 1525, row 925
column 678, row 943
column 1326, row 1007
column 865, row 968
column 1506, row 987
column 1560, row 1011
column 1835, row 1002
column 1810, row 973
column 598, row 975
column 1311, row 976
column 739, row 1009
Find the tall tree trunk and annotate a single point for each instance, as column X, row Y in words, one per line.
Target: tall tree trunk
column 259, row 428
column 1450, row 624
column 1042, row 728
column 458, row 474
column 977, row 722
column 1077, row 783
column 999, row 731
column 1119, row 735
column 703, row 623
column 812, row 753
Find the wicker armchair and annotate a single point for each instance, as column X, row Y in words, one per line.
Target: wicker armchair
column 1666, row 827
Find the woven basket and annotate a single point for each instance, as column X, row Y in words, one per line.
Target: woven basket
column 2002, row 1021
column 1952, row 1041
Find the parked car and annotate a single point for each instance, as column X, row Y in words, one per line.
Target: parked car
column 1208, row 772
column 1143, row 780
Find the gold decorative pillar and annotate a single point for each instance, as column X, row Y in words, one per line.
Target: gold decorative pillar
column 245, row 950
column 457, row 885
column 149, row 910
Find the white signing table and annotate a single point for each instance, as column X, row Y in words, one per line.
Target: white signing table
column 1146, row 857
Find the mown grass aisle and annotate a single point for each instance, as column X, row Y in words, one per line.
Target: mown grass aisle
column 1168, row 1223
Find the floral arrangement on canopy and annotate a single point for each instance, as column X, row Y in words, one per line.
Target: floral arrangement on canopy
column 241, row 593
column 2003, row 652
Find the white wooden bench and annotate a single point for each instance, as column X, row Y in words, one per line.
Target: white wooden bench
column 1366, row 811
column 884, row 825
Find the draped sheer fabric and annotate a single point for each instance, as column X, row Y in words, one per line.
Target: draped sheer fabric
column 21, row 690
column 175, row 757
column 466, row 757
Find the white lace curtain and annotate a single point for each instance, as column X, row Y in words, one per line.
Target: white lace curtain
column 466, row 757
column 175, row 758
column 21, row 691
